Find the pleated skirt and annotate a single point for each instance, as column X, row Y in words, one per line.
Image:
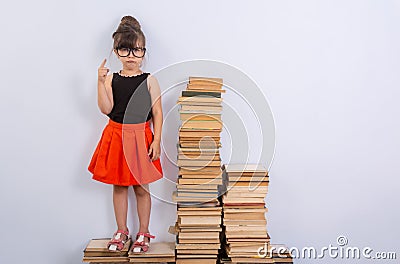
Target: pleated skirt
column 121, row 156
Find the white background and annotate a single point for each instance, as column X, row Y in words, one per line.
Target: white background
column 330, row 70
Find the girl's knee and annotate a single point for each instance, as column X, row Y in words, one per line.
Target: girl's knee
column 120, row 189
column 141, row 190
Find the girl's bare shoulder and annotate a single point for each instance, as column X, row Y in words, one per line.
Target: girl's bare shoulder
column 152, row 81
column 151, row 77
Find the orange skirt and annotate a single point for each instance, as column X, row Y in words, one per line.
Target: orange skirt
column 121, row 156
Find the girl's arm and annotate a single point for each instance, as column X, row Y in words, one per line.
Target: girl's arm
column 104, row 90
column 156, row 109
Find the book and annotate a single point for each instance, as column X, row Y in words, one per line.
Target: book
column 201, row 108
column 248, row 167
column 198, row 100
column 200, row 93
column 205, row 80
column 156, row 250
column 195, row 163
column 200, row 116
column 198, row 157
column 201, row 124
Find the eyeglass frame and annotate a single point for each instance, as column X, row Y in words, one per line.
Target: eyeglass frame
column 131, row 50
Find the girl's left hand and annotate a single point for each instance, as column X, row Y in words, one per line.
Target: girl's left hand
column 154, row 150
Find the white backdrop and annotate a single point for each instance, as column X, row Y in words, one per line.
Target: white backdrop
column 330, row 70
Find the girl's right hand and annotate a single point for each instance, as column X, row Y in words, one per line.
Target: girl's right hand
column 102, row 72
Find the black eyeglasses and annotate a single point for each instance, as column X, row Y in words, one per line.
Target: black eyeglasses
column 138, row 52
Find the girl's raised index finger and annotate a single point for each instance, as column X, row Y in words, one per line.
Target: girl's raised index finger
column 103, row 63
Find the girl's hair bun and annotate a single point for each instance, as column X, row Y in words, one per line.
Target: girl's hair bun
column 128, row 33
column 130, row 21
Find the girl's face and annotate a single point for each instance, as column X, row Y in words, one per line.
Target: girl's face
column 131, row 58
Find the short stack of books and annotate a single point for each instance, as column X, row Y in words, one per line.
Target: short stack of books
column 159, row 252
column 97, row 252
column 198, row 209
column 244, row 222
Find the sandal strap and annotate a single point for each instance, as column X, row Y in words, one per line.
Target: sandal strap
column 120, row 244
column 122, row 232
column 118, row 241
column 115, row 240
column 145, row 234
column 144, row 246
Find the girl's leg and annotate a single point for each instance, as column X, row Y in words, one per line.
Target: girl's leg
column 143, row 207
column 120, row 200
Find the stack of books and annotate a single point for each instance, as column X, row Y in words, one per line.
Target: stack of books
column 244, row 222
column 96, row 251
column 159, row 252
column 198, row 208
column 245, row 238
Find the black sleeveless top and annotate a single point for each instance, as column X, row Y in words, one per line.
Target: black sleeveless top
column 132, row 101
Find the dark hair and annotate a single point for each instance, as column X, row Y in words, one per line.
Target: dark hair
column 128, row 33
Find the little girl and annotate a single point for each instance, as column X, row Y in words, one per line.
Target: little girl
column 128, row 151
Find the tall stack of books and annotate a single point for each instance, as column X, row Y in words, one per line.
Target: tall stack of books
column 200, row 174
column 244, row 222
